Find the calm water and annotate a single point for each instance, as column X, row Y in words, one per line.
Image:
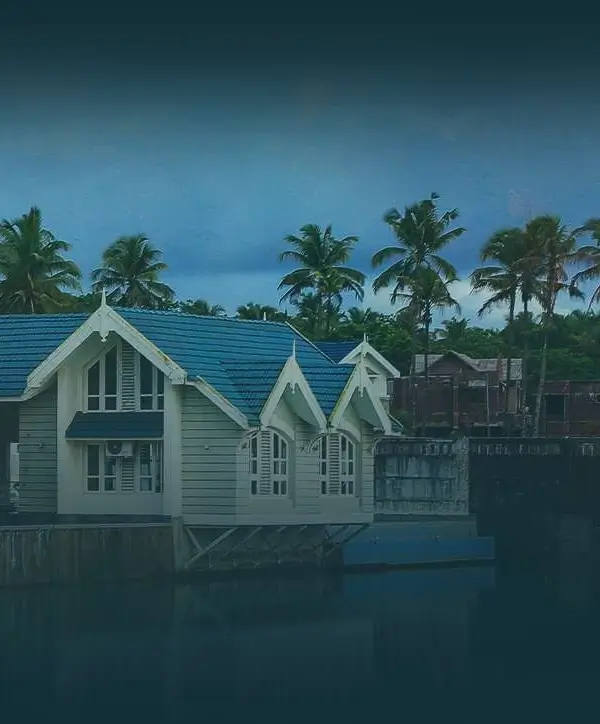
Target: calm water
column 466, row 645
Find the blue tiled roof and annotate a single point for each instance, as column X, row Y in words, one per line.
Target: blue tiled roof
column 337, row 350
column 204, row 347
column 253, row 381
column 116, row 425
column 241, row 359
column 327, row 383
column 25, row 342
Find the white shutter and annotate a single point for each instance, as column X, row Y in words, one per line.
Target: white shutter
column 128, row 401
column 127, row 474
column 334, row 463
column 264, row 454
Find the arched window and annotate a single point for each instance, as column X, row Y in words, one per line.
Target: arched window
column 337, row 465
column 268, row 450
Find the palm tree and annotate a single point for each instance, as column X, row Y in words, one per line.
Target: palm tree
column 554, row 249
column 252, row 310
column 508, row 277
column 421, row 233
column 322, row 269
column 428, row 294
column 308, row 315
column 453, row 332
column 34, row 275
column 589, row 255
column 202, row 308
column 130, row 273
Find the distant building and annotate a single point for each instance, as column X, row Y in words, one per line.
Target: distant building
column 571, row 409
column 462, row 394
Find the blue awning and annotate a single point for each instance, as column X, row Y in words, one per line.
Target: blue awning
column 116, row 426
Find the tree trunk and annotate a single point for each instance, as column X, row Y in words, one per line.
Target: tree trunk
column 413, row 379
column 426, row 405
column 542, row 382
column 525, row 364
column 509, row 353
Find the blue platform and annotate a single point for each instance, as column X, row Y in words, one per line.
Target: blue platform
column 419, row 541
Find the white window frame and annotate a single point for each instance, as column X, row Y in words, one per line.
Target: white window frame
column 254, row 464
column 323, row 450
column 347, row 466
column 101, row 477
column 100, row 360
column 157, row 462
column 157, row 398
column 279, row 465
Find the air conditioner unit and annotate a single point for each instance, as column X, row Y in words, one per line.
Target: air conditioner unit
column 118, row 449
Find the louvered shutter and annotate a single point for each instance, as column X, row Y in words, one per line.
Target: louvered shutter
column 264, row 452
column 127, row 474
column 334, row 463
column 128, row 401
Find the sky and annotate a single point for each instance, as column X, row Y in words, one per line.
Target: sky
column 217, row 141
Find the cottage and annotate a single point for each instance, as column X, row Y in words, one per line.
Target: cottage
column 214, row 422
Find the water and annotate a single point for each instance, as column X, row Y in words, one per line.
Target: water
column 468, row 645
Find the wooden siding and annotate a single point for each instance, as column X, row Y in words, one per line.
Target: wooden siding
column 367, row 469
column 37, row 454
column 208, row 458
column 307, row 479
column 128, row 386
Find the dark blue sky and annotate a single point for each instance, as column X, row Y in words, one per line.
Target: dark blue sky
column 218, row 143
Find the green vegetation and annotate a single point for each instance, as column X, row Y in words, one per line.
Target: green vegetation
column 520, row 267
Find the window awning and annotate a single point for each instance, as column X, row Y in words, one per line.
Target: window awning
column 116, row 426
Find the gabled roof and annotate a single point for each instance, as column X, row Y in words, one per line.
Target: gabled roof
column 26, row 340
column 240, row 359
column 338, row 350
column 481, row 365
column 348, row 352
column 205, row 347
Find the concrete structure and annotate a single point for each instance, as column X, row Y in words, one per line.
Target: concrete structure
column 231, row 429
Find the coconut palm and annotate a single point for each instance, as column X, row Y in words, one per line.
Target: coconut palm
column 202, row 308
column 130, row 274
column 34, row 275
column 322, row 260
column 511, row 275
column 428, row 294
column 554, row 249
column 309, row 313
column 422, row 233
column 252, row 310
column 590, row 256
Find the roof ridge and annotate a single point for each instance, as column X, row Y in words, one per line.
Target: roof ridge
column 190, row 315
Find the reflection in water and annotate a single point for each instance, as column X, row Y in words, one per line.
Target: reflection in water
column 444, row 645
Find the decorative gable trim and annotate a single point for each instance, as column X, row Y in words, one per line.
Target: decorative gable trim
column 103, row 321
column 366, row 350
column 302, row 399
column 368, row 406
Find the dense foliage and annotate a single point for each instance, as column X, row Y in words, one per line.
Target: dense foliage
column 519, row 266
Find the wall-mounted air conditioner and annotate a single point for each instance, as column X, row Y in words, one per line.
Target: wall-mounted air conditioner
column 118, row 449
